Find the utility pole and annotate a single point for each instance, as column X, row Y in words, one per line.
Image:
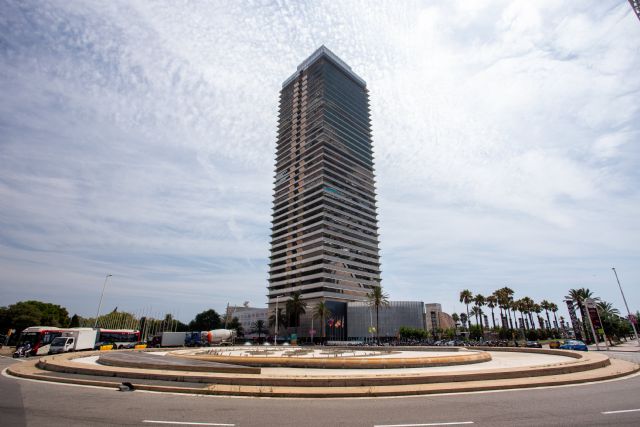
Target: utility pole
column 635, row 332
column 95, row 325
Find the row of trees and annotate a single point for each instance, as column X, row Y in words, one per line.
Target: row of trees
column 509, row 307
column 530, row 312
column 24, row 314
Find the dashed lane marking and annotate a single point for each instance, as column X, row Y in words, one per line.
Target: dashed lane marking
column 185, row 423
column 458, row 423
column 620, row 412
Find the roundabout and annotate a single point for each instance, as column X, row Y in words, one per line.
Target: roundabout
column 325, row 372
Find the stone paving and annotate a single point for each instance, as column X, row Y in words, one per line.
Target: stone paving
column 500, row 360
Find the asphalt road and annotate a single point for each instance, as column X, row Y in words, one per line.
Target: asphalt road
column 34, row 403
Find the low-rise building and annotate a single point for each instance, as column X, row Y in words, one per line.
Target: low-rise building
column 247, row 316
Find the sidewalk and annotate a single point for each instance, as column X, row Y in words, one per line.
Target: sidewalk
column 629, row 346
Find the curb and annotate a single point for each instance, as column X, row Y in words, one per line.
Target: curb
column 617, row 370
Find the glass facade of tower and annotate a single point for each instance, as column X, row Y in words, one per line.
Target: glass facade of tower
column 324, row 240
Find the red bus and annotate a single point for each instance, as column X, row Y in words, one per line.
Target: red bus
column 120, row 338
column 39, row 339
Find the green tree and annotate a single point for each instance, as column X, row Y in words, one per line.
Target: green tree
column 466, row 297
column 477, row 313
column 237, row 326
column 479, row 301
column 205, row 321
column 521, row 308
column 546, row 306
column 492, row 302
column 528, row 307
column 455, row 319
column 505, row 298
column 554, row 309
column 610, row 317
column 259, row 327
column 407, row 332
column 475, row 333
column 378, row 298
column 24, row 314
column 113, row 320
column 282, row 319
column 463, row 319
column 296, row 307
column 321, row 311
column 579, row 296
column 75, row 321
column 537, row 309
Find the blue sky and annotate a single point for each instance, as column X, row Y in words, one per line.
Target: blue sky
column 138, row 139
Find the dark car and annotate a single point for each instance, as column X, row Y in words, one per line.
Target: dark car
column 533, row 344
column 574, row 345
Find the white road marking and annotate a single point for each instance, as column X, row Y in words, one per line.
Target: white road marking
column 424, row 425
column 13, row 358
column 620, row 412
column 186, row 423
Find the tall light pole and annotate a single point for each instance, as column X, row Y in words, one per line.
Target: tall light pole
column 275, row 338
column 635, row 332
column 95, row 325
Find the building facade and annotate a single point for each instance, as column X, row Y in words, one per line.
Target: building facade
column 324, row 239
column 362, row 316
column 432, row 316
column 247, row 317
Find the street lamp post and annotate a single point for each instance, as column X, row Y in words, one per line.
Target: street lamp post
column 275, row 338
column 95, row 325
column 635, row 332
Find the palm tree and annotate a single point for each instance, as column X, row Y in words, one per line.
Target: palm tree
column 528, row 306
column 258, row 327
column 506, row 297
column 546, row 305
column 377, row 298
column 579, row 296
column 466, row 297
column 463, row 319
column 537, row 309
column 479, row 301
column 456, row 319
column 492, row 301
column 282, row 319
column 609, row 315
column 321, row 311
column 296, row 308
column 521, row 308
column 514, row 306
column 554, row 309
column 477, row 312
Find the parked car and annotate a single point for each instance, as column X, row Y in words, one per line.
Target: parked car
column 574, row 345
column 533, row 344
column 554, row 344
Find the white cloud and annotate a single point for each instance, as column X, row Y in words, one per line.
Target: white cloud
column 138, row 139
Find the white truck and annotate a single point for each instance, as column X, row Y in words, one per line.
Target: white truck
column 172, row 339
column 74, row 339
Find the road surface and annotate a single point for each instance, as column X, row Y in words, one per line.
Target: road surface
column 32, row 403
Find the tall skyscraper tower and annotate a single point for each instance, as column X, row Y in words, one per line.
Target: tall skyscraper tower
column 324, row 240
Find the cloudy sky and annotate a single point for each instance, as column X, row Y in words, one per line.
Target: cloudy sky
column 138, row 139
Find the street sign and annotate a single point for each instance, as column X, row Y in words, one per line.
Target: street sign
column 590, row 303
column 312, row 331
